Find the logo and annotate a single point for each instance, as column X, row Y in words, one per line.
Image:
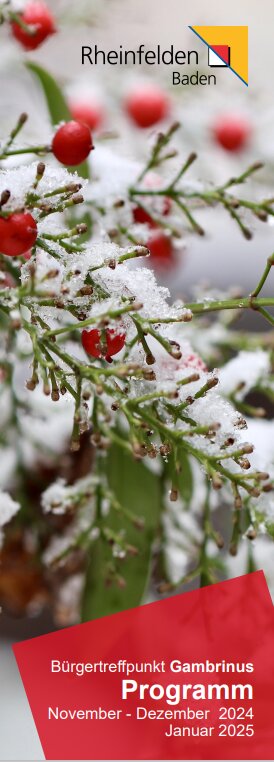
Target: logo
column 227, row 47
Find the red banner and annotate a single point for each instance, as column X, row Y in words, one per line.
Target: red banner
column 190, row 677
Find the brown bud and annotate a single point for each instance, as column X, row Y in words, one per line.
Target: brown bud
column 150, row 359
column 149, row 375
column 255, row 492
column 193, row 377
column 262, row 215
column 152, row 452
column 45, row 207
column 52, row 274
column 173, row 395
column 82, row 228
column 217, row 480
column 234, row 203
column 238, row 502
column 55, row 396
column 212, row 382
column 268, row 487
column 40, row 169
column 190, row 400
column 240, row 423
column 173, row 495
column 141, row 251
column 247, row 449
column 214, row 427
column 5, row 196
column 86, row 291
column 113, row 233
column 137, row 306
column 16, row 323
column 174, row 127
column 251, row 533
column 244, row 463
column 192, row 157
column 187, row 316
column 164, row 450
column 240, row 386
column 78, row 200
column 257, row 165
column 233, row 549
column 262, row 476
column 139, row 451
column 219, row 540
column 247, row 234
column 73, row 187
column 229, row 441
column 31, row 384
column 111, row 263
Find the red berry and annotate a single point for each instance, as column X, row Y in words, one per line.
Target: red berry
column 18, row 234
column 72, row 143
column 103, row 344
column 232, row 133
column 142, row 217
column 147, row 105
column 87, row 113
column 161, row 249
column 41, row 22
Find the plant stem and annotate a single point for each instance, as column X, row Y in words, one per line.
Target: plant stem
column 247, row 302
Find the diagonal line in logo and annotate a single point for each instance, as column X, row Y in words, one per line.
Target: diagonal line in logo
column 217, row 54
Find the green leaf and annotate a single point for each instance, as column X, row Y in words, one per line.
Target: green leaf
column 57, row 105
column 139, row 490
